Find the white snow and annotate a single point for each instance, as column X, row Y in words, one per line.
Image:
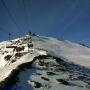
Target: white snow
column 70, row 51
column 7, row 66
column 35, row 75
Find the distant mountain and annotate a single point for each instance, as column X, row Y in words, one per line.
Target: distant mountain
column 37, row 62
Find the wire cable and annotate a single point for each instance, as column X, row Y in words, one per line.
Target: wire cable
column 3, row 30
column 6, row 32
column 25, row 14
column 9, row 13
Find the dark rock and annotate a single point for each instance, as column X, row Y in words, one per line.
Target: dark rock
column 44, row 78
column 13, row 60
column 88, row 86
column 37, row 84
column 62, row 81
column 51, row 73
column 7, row 57
column 18, row 55
column 38, row 73
column 81, row 77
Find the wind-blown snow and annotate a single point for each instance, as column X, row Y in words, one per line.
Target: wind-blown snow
column 70, row 51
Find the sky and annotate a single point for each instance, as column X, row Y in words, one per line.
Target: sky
column 62, row 19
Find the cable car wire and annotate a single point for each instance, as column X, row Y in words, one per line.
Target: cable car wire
column 25, row 14
column 9, row 13
column 3, row 30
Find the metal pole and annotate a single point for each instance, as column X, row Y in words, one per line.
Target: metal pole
column 9, row 36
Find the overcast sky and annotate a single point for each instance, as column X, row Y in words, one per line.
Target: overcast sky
column 63, row 19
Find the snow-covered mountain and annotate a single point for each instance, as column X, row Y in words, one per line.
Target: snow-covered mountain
column 44, row 64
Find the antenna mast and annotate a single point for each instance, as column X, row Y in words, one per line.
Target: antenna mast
column 9, row 36
column 30, row 44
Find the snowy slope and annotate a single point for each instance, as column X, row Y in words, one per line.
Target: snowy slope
column 6, row 66
column 68, row 50
column 10, row 59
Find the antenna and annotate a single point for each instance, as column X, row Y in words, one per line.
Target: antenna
column 9, row 36
column 30, row 44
